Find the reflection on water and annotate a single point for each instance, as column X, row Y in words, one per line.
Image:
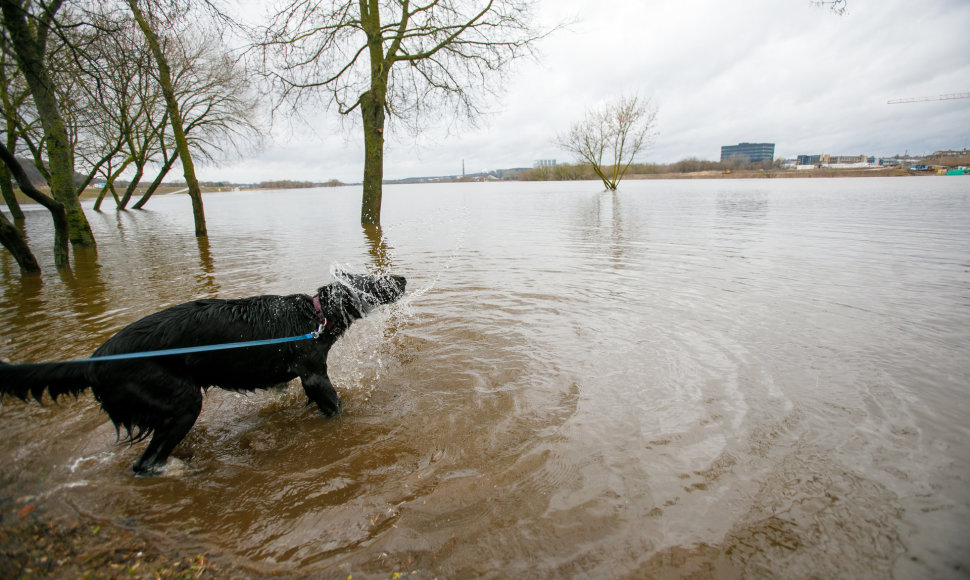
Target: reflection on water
column 719, row 378
column 380, row 250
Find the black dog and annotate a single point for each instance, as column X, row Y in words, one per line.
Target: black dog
column 161, row 396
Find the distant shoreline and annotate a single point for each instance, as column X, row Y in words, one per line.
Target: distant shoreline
column 785, row 174
column 711, row 174
column 707, row 174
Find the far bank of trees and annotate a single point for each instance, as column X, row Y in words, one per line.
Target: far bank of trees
column 585, row 171
column 290, row 184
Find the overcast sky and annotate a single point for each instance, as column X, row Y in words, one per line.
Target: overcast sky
column 718, row 71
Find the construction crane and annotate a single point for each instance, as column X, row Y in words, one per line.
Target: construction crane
column 946, row 97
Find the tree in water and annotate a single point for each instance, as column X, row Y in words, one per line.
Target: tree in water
column 213, row 91
column 28, row 26
column 174, row 115
column 610, row 137
column 13, row 92
column 13, row 240
column 395, row 58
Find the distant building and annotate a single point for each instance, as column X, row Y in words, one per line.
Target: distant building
column 812, row 159
column 748, row 152
column 951, row 153
column 825, row 160
column 545, row 163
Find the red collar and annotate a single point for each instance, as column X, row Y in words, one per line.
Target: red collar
column 319, row 310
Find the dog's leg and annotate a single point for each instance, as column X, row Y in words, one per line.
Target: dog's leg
column 167, row 435
column 319, row 390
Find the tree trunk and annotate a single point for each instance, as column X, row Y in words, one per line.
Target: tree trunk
column 372, row 105
column 97, row 202
column 158, row 181
column 181, row 143
column 139, row 171
column 372, row 109
column 61, row 227
column 9, row 112
column 109, row 184
column 14, row 241
column 59, row 153
column 610, row 186
column 6, row 187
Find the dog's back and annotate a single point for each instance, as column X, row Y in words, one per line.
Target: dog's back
column 215, row 322
column 207, row 322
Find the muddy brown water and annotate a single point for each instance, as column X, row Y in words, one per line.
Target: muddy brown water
column 728, row 378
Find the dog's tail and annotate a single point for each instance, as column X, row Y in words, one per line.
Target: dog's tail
column 31, row 380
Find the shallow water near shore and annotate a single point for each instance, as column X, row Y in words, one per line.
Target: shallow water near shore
column 739, row 378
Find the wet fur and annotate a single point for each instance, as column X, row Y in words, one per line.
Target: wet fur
column 161, row 397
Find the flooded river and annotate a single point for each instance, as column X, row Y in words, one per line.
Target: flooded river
column 730, row 378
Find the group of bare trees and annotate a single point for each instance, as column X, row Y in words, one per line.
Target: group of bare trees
column 112, row 87
column 95, row 88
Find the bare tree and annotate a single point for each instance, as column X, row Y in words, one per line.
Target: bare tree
column 395, row 58
column 16, row 244
column 11, row 237
column 206, row 92
column 609, row 138
column 217, row 101
column 80, row 90
column 149, row 24
column 57, row 213
column 79, row 82
column 13, row 92
column 219, row 106
column 115, row 92
column 29, row 26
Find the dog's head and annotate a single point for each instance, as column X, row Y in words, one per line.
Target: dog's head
column 352, row 296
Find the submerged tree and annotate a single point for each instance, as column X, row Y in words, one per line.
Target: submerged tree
column 29, row 26
column 103, row 86
column 13, row 93
column 218, row 105
column 212, row 90
column 395, row 58
column 609, row 138
column 14, row 242
column 174, row 114
column 10, row 236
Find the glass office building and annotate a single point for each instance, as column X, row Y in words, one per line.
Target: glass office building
column 750, row 152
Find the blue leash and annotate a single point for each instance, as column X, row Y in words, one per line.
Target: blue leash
column 192, row 349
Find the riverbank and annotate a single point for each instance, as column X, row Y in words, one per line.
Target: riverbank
column 48, row 539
